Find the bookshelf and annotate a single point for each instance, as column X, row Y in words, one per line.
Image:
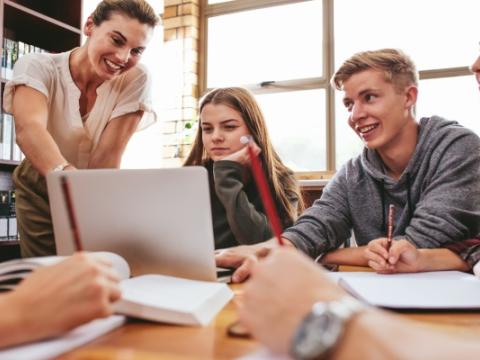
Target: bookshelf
column 44, row 25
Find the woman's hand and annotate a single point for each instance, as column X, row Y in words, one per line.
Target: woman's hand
column 242, row 156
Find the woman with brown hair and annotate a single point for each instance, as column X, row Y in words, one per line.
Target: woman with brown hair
column 227, row 114
column 78, row 109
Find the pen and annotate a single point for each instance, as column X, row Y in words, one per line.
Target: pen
column 266, row 196
column 391, row 214
column 71, row 214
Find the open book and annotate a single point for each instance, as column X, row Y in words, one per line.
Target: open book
column 429, row 290
column 152, row 297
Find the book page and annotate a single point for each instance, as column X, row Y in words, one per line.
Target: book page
column 28, row 264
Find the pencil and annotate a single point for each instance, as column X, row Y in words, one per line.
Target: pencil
column 71, row 214
column 265, row 195
column 391, row 214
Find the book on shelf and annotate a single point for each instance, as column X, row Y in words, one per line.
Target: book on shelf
column 7, row 130
column 153, row 297
column 12, row 51
column 8, row 220
column 429, row 290
column 9, row 149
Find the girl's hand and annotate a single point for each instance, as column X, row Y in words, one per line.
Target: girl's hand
column 241, row 156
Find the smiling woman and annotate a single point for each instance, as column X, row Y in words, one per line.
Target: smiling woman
column 78, row 109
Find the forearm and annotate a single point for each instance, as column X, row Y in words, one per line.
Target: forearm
column 346, row 256
column 441, row 259
column 39, row 147
column 14, row 327
column 378, row 335
column 105, row 160
column 113, row 141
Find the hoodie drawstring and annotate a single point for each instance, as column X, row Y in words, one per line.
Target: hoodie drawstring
column 409, row 199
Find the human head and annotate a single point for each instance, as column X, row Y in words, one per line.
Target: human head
column 242, row 101
column 380, row 91
column 279, row 176
column 118, row 32
column 396, row 66
column 134, row 9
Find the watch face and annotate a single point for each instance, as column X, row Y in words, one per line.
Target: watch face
column 317, row 334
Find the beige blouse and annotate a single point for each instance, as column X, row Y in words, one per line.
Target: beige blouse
column 50, row 74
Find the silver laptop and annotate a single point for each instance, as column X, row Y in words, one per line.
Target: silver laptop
column 159, row 220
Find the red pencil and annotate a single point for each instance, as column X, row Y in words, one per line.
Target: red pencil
column 71, row 213
column 391, row 215
column 266, row 196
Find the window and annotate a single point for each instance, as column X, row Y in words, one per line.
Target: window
column 280, row 57
column 287, row 51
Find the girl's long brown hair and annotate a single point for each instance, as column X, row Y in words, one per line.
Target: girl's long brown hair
column 282, row 183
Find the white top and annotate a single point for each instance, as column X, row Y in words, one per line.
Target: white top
column 50, row 74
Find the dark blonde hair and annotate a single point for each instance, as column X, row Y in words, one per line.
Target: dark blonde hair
column 135, row 9
column 281, row 180
column 396, row 66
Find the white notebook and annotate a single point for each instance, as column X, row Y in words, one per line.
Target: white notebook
column 429, row 290
column 152, row 297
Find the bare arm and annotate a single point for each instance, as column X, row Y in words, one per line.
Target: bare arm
column 114, row 140
column 379, row 335
column 284, row 286
column 30, row 111
column 80, row 288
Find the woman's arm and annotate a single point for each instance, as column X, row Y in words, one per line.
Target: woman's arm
column 114, row 140
column 30, row 111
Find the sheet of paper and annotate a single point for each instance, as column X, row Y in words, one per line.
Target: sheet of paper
column 429, row 290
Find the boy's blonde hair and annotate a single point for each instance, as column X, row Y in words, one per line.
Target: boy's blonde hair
column 396, row 66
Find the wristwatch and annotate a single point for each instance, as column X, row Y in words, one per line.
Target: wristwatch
column 60, row 167
column 323, row 327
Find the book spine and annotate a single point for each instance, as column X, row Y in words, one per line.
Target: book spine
column 7, row 136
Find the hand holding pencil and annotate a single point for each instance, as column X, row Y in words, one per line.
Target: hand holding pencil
column 264, row 190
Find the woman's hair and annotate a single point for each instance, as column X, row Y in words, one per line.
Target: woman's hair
column 396, row 66
column 281, row 180
column 135, row 9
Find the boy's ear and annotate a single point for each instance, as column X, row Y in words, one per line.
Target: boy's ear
column 411, row 93
column 88, row 27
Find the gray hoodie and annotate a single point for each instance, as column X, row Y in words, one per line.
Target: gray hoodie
column 436, row 199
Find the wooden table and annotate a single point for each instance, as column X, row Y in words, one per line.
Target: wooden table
column 139, row 340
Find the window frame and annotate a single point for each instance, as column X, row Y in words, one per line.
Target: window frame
column 328, row 50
